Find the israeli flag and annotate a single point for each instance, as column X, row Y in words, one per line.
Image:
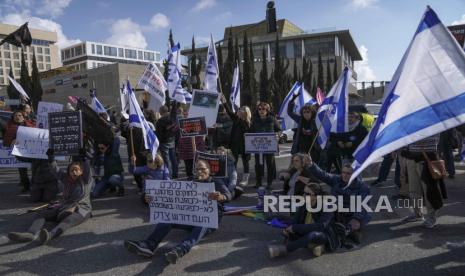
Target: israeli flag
column 175, row 90
column 211, row 72
column 137, row 119
column 285, row 119
column 304, row 98
column 235, row 90
column 96, row 105
column 124, row 102
column 332, row 114
column 426, row 95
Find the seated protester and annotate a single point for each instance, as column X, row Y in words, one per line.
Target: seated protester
column 74, row 208
column 295, row 178
column 231, row 179
column 309, row 230
column 135, row 146
column 44, row 183
column 348, row 223
column 155, row 170
column 108, row 158
column 147, row 247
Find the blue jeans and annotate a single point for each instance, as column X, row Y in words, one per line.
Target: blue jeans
column 105, row 183
column 168, row 153
column 162, row 229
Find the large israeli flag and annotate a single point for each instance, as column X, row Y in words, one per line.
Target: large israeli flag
column 285, row 119
column 137, row 119
column 175, row 90
column 426, row 95
column 211, row 72
column 97, row 106
column 235, row 96
column 332, row 114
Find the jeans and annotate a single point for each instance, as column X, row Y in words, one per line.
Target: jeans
column 105, row 183
column 245, row 161
column 270, row 168
column 24, row 179
column 295, row 242
column 385, row 168
column 162, row 229
column 448, row 155
column 168, row 153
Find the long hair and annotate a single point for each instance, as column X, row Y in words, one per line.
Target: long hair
column 248, row 114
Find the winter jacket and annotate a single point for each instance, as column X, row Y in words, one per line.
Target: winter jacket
column 222, row 134
column 306, row 131
column 11, row 129
column 267, row 124
column 239, row 127
column 110, row 161
column 166, row 130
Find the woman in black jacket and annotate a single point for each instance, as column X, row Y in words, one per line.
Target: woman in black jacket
column 264, row 122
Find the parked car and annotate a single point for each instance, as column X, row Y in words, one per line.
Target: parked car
column 286, row 136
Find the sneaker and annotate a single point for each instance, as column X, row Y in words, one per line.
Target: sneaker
column 412, row 217
column 172, row 256
column 318, row 250
column 44, row 236
column 138, row 247
column 238, row 191
column 429, row 222
column 245, row 180
column 277, row 250
column 120, row 191
column 21, row 236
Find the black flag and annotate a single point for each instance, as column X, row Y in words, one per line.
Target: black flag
column 21, row 36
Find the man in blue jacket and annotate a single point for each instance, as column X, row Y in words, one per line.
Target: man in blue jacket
column 348, row 224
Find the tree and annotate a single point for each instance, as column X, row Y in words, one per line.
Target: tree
column 165, row 68
column 11, row 91
column 264, row 82
column 195, row 68
column 335, row 74
column 25, row 79
column 329, row 82
column 296, row 72
column 253, row 81
column 36, row 92
column 246, row 97
column 320, row 82
column 219, row 55
column 237, row 56
column 229, row 66
column 280, row 78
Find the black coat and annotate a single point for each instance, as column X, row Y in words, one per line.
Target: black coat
column 239, row 127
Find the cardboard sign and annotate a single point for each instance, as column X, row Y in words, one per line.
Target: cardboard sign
column 182, row 202
column 42, row 112
column 31, row 142
column 205, row 103
column 192, row 127
column 8, row 160
column 218, row 163
column 65, row 132
column 261, row 143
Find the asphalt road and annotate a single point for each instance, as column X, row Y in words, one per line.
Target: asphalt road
column 239, row 247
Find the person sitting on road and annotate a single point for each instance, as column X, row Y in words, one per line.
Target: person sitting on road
column 314, row 230
column 231, row 180
column 295, row 178
column 108, row 157
column 348, row 224
column 75, row 207
column 147, row 247
column 44, row 183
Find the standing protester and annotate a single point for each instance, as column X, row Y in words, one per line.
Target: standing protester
column 447, row 143
column 306, row 129
column 9, row 139
column 349, row 224
column 28, row 112
column 242, row 120
column 264, row 122
column 223, row 127
column 166, row 132
column 315, row 230
column 147, row 247
column 424, row 190
column 108, row 157
column 74, row 209
column 136, row 142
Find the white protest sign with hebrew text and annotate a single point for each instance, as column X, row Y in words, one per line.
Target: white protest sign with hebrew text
column 261, row 143
column 7, row 160
column 182, row 202
column 31, row 143
column 205, row 104
column 42, row 112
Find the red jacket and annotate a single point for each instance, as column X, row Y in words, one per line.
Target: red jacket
column 11, row 129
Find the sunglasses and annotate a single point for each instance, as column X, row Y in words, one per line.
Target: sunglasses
column 261, row 109
column 307, row 111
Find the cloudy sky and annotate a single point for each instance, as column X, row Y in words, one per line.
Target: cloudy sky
column 382, row 29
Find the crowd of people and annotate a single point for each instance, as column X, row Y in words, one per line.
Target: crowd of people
column 99, row 170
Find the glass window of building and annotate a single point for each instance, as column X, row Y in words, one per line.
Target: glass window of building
column 7, row 55
column 40, row 58
column 48, row 66
column 109, row 51
column 99, row 50
column 47, row 51
column 17, row 73
column 39, row 50
column 82, row 66
column 14, row 48
column 15, row 55
column 1, row 71
column 93, row 48
column 121, row 52
column 157, row 56
column 40, row 65
column 131, row 53
column 297, row 48
column 7, row 63
column 6, row 46
column 17, row 64
column 78, row 50
column 139, row 55
column 67, row 53
column 47, row 58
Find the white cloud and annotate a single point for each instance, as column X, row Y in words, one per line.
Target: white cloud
column 361, row 4
column 364, row 72
column 125, row 32
column 460, row 21
column 223, row 16
column 53, row 8
column 159, row 21
column 39, row 23
column 204, row 4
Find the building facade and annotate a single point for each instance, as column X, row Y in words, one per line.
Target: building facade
column 43, row 45
column 89, row 55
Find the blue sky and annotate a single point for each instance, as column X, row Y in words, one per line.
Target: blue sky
column 382, row 29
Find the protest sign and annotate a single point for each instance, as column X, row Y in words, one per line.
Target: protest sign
column 31, row 142
column 261, row 143
column 218, row 163
column 182, row 202
column 192, row 127
column 7, row 160
column 152, row 81
column 65, row 132
column 205, row 103
column 42, row 112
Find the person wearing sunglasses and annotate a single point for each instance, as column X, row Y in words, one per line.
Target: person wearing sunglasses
column 264, row 122
column 108, row 157
column 313, row 230
column 147, row 247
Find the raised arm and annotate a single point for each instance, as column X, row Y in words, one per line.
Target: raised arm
column 290, row 110
column 323, row 176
